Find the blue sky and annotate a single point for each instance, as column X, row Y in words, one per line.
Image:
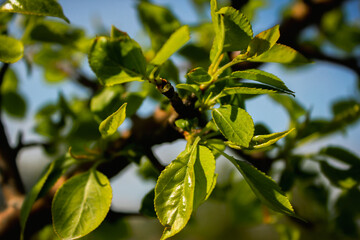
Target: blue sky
column 316, row 86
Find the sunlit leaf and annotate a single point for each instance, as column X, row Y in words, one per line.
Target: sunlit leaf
column 263, row 41
column 235, row 124
column 172, row 45
column 34, row 7
column 11, row 49
column 81, row 204
column 198, row 75
column 281, row 54
column 113, row 122
column 263, row 77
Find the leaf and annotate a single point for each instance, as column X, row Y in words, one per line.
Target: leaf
column 55, row 32
column 198, row 75
column 238, row 31
column 217, row 146
column 204, row 168
column 294, row 109
column 219, row 30
column 113, row 122
column 117, row 60
column 265, row 188
column 174, row 192
column 14, row 104
column 263, row 77
column 262, row 141
column 346, row 179
column 342, row 155
column 172, row 45
column 263, row 41
column 47, row 179
column 193, row 88
column 280, row 54
column 81, row 204
column 245, row 88
column 147, row 204
column 10, row 82
column 159, row 22
column 34, row 7
column 11, row 49
column 235, row 124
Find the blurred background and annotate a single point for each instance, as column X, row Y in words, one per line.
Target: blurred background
column 228, row 214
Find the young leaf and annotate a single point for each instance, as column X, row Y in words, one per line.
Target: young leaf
column 117, row 60
column 263, row 77
column 81, row 204
column 204, row 175
column 172, row 45
column 264, row 187
column 235, row 124
column 11, row 49
column 263, row 41
column 238, row 31
column 174, row 192
column 34, row 7
column 262, row 141
column 281, row 54
column 112, row 122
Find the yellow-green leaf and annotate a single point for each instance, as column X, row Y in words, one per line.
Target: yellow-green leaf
column 112, row 122
column 11, row 49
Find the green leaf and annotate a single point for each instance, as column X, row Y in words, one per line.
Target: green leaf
column 238, row 31
column 198, row 75
column 294, row 109
column 147, row 204
column 246, row 88
column 264, row 188
column 117, row 60
column 174, row 192
column 280, row 54
column 159, row 22
column 217, row 146
column 263, row 41
column 262, row 141
column 81, row 204
column 342, row 155
column 346, row 179
column 219, row 29
column 34, row 7
column 55, row 32
column 193, row 88
column 11, row 49
column 235, row 124
column 172, row 45
column 113, row 122
column 263, row 77
column 10, row 82
column 14, row 104
column 204, row 168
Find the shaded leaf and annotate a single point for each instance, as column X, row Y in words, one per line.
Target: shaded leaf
column 341, row 178
column 263, row 41
column 238, row 31
column 147, row 204
column 113, row 122
column 342, row 155
column 81, row 204
column 235, row 124
column 172, row 45
column 11, row 49
column 34, row 7
column 116, row 61
column 198, row 75
column 14, row 104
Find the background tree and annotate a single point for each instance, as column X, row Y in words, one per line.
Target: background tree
column 220, row 55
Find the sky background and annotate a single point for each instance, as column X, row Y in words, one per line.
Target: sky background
column 316, row 86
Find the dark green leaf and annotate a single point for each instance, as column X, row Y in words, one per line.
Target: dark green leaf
column 110, row 125
column 172, row 45
column 147, row 204
column 14, row 104
column 116, row 61
column 263, row 77
column 235, row 124
column 11, row 49
column 81, row 204
column 341, row 178
column 238, row 31
column 342, row 155
column 34, row 7
column 265, row 188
